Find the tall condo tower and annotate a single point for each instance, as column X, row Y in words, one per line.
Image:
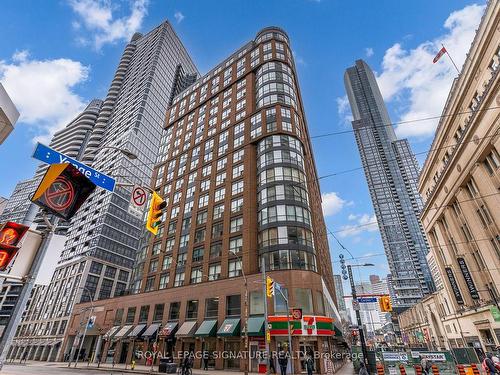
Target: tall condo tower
column 103, row 237
column 391, row 171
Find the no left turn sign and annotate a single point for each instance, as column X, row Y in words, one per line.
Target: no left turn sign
column 137, row 201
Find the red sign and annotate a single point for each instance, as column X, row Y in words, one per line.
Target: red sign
column 60, row 194
column 297, row 314
column 139, row 196
column 10, row 235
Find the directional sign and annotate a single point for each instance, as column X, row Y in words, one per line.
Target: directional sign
column 137, row 202
column 367, row 299
column 50, row 156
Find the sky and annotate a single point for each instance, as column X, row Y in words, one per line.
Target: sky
column 56, row 56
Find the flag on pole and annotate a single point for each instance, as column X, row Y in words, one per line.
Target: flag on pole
column 441, row 52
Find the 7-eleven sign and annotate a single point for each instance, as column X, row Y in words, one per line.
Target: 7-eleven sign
column 309, row 325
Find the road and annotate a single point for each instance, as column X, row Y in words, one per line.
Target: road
column 55, row 369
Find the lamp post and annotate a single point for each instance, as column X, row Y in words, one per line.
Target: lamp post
column 82, row 339
column 129, row 154
column 246, row 309
column 358, row 316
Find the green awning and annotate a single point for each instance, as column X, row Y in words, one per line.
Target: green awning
column 337, row 332
column 230, row 327
column 256, row 326
column 207, row 329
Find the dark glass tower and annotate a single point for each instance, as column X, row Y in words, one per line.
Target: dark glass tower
column 391, row 171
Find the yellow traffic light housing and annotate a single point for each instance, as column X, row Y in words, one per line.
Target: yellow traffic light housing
column 269, row 287
column 385, row 304
column 154, row 214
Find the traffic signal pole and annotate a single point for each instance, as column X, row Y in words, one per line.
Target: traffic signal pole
column 358, row 318
column 20, row 306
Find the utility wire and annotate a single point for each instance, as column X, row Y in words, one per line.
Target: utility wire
column 405, row 122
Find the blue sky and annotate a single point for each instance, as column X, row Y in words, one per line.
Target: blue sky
column 55, row 56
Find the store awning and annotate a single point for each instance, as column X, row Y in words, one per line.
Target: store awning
column 111, row 332
column 230, row 327
column 169, row 329
column 187, row 329
column 123, row 332
column 256, row 326
column 337, row 332
column 207, row 329
column 137, row 331
column 151, row 331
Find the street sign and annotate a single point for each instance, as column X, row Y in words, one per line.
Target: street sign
column 367, row 299
column 50, row 156
column 137, row 203
column 355, row 305
column 395, row 356
column 297, row 314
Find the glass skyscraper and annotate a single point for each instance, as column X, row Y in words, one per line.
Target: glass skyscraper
column 391, row 171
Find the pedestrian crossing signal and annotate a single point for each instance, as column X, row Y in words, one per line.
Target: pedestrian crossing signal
column 63, row 190
column 10, row 235
column 154, row 214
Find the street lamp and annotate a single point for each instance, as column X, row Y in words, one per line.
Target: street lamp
column 82, row 339
column 129, row 154
column 246, row 308
column 358, row 316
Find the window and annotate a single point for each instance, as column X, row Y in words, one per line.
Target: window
column 303, row 298
column 214, row 272
column 199, row 235
column 256, row 303
column 237, row 187
column 95, row 268
column 236, row 244
column 164, row 279
column 236, row 205
column 184, row 240
column 150, row 283
column 153, row 266
column 233, row 305
column 203, row 200
column 201, row 218
column 179, row 279
column 181, row 259
column 218, row 211
column 320, row 303
column 238, row 170
column 219, row 194
column 172, row 227
column 220, row 178
column 196, row 275
column 192, row 310
column 212, row 307
column 167, row 261
column 236, row 224
column 119, row 317
column 217, row 229
column 280, row 303
column 130, row 315
column 110, row 272
column 143, row 314
column 221, row 163
column 238, row 156
column 175, row 308
column 234, row 267
column 215, row 250
column 158, row 314
column 198, row 254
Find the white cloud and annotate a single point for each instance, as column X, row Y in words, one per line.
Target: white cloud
column 344, row 110
column 43, row 90
column 332, row 203
column 299, row 60
column 98, row 18
column 179, row 17
column 420, row 87
column 369, row 52
column 362, row 223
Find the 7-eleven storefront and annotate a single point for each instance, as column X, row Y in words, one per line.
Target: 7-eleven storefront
column 312, row 333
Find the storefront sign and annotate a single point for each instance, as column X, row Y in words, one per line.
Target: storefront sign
column 307, row 326
column 434, row 357
column 468, row 278
column 454, row 285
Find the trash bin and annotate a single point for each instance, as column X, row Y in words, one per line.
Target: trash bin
column 171, row 368
column 162, row 367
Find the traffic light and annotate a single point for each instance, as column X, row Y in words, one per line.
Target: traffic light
column 385, row 304
column 269, row 287
column 10, row 236
column 63, row 190
column 155, row 212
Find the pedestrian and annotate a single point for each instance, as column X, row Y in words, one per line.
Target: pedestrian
column 205, row 359
column 271, row 365
column 283, row 361
column 362, row 369
column 309, row 363
column 24, row 357
column 424, row 363
column 489, row 365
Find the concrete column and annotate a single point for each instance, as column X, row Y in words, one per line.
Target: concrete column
column 36, row 357
column 30, row 352
column 42, row 355
column 97, row 348
column 49, row 357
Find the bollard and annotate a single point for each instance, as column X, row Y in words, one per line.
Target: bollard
column 475, row 370
column 435, row 370
column 402, row 369
column 418, row 370
column 461, row 369
column 380, row 369
column 132, row 365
